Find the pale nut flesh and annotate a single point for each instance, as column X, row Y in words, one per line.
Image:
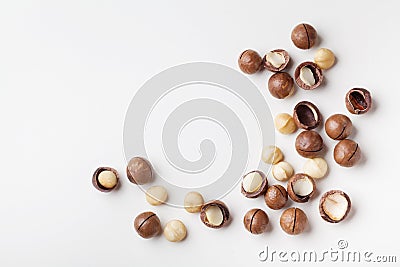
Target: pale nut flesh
column 282, row 171
column 285, row 123
column 252, row 182
column 324, row 58
column 272, row 155
column 107, row 179
column 335, row 206
column 307, row 76
column 214, row 215
column 175, row 231
column 193, row 202
column 315, row 167
column 276, row 59
column 156, row 195
column 303, row 187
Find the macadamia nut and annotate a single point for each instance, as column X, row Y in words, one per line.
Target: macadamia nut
column 324, row 58
column 175, row 231
column 107, row 179
column 285, row 124
column 193, row 202
column 272, row 155
column 316, row 167
column 156, row 195
column 282, row 171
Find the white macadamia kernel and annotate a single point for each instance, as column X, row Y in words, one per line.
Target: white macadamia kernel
column 303, row 187
column 175, row 231
column 316, row 167
column 282, row 171
column 156, row 195
column 107, row 179
column 214, row 215
column 193, row 202
column 307, row 76
column 335, row 206
column 284, row 123
column 324, row 58
column 252, row 182
column 272, row 155
column 275, row 58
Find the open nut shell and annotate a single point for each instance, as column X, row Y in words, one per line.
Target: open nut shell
column 324, row 214
column 224, row 209
column 95, row 180
column 290, row 188
column 261, row 190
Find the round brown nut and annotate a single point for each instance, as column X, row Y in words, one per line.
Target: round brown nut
column 293, row 221
column 254, row 184
column 301, row 188
column 105, row 179
column 308, row 75
column 250, row 61
column 324, row 58
column 304, row 36
column 358, row 101
column 282, row 171
column 309, row 144
column 276, row 60
column 347, row 153
column 139, row 171
column 338, row 127
column 285, row 124
column 306, row 115
column 193, row 202
column 272, row 155
column 276, row 197
column 175, row 231
column 214, row 214
column 256, row 221
column 334, row 206
column 281, row 85
column 147, row 225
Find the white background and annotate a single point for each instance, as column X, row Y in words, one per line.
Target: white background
column 68, row 70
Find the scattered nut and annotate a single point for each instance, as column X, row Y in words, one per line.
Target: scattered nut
column 105, row 179
column 324, row 58
column 347, row 153
column 301, row 188
column 156, row 195
column 272, row 155
column 358, row 101
column 193, row 202
column 281, row 85
column 139, row 171
column 250, row 61
column 338, row 127
column 147, row 225
column 254, row 184
column 175, row 231
column 308, row 75
column 282, row 171
column 309, row 144
column 306, row 115
column 276, row 60
column 214, row 214
column 293, row 221
column 316, row 168
column 285, row 124
column 304, row 36
column 276, row 197
column 334, row 206
column 256, row 221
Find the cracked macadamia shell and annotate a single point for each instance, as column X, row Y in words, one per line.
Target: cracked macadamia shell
column 256, row 221
column 276, row 60
column 338, row 127
column 105, row 179
column 309, row 144
column 293, row 221
column 334, row 206
column 214, row 214
column 301, row 188
column 254, row 184
column 347, row 153
column 306, row 115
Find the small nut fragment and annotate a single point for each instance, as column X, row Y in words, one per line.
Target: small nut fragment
column 175, row 231
column 276, row 197
column 139, row 171
column 147, row 225
column 293, row 221
column 214, row 214
column 347, row 153
column 334, row 206
column 338, row 127
column 272, row 155
column 282, row 171
column 358, row 101
column 316, row 167
column 324, row 58
column 309, row 144
column 193, row 202
column 254, row 184
column 285, row 123
column 250, row 61
column 308, row 75
column 306, row 115
column 156, row 195
column 256, row 221
column 276, row 60
column 301, row 188
column 105, row 179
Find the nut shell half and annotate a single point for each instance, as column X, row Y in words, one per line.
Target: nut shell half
column 306, row 115
column 269, row 66
column 301, row 188
column 334, row 206
column 262, row 188
column 358, row 101
column 317, row 75
column 96, row 182
column 224, row 211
